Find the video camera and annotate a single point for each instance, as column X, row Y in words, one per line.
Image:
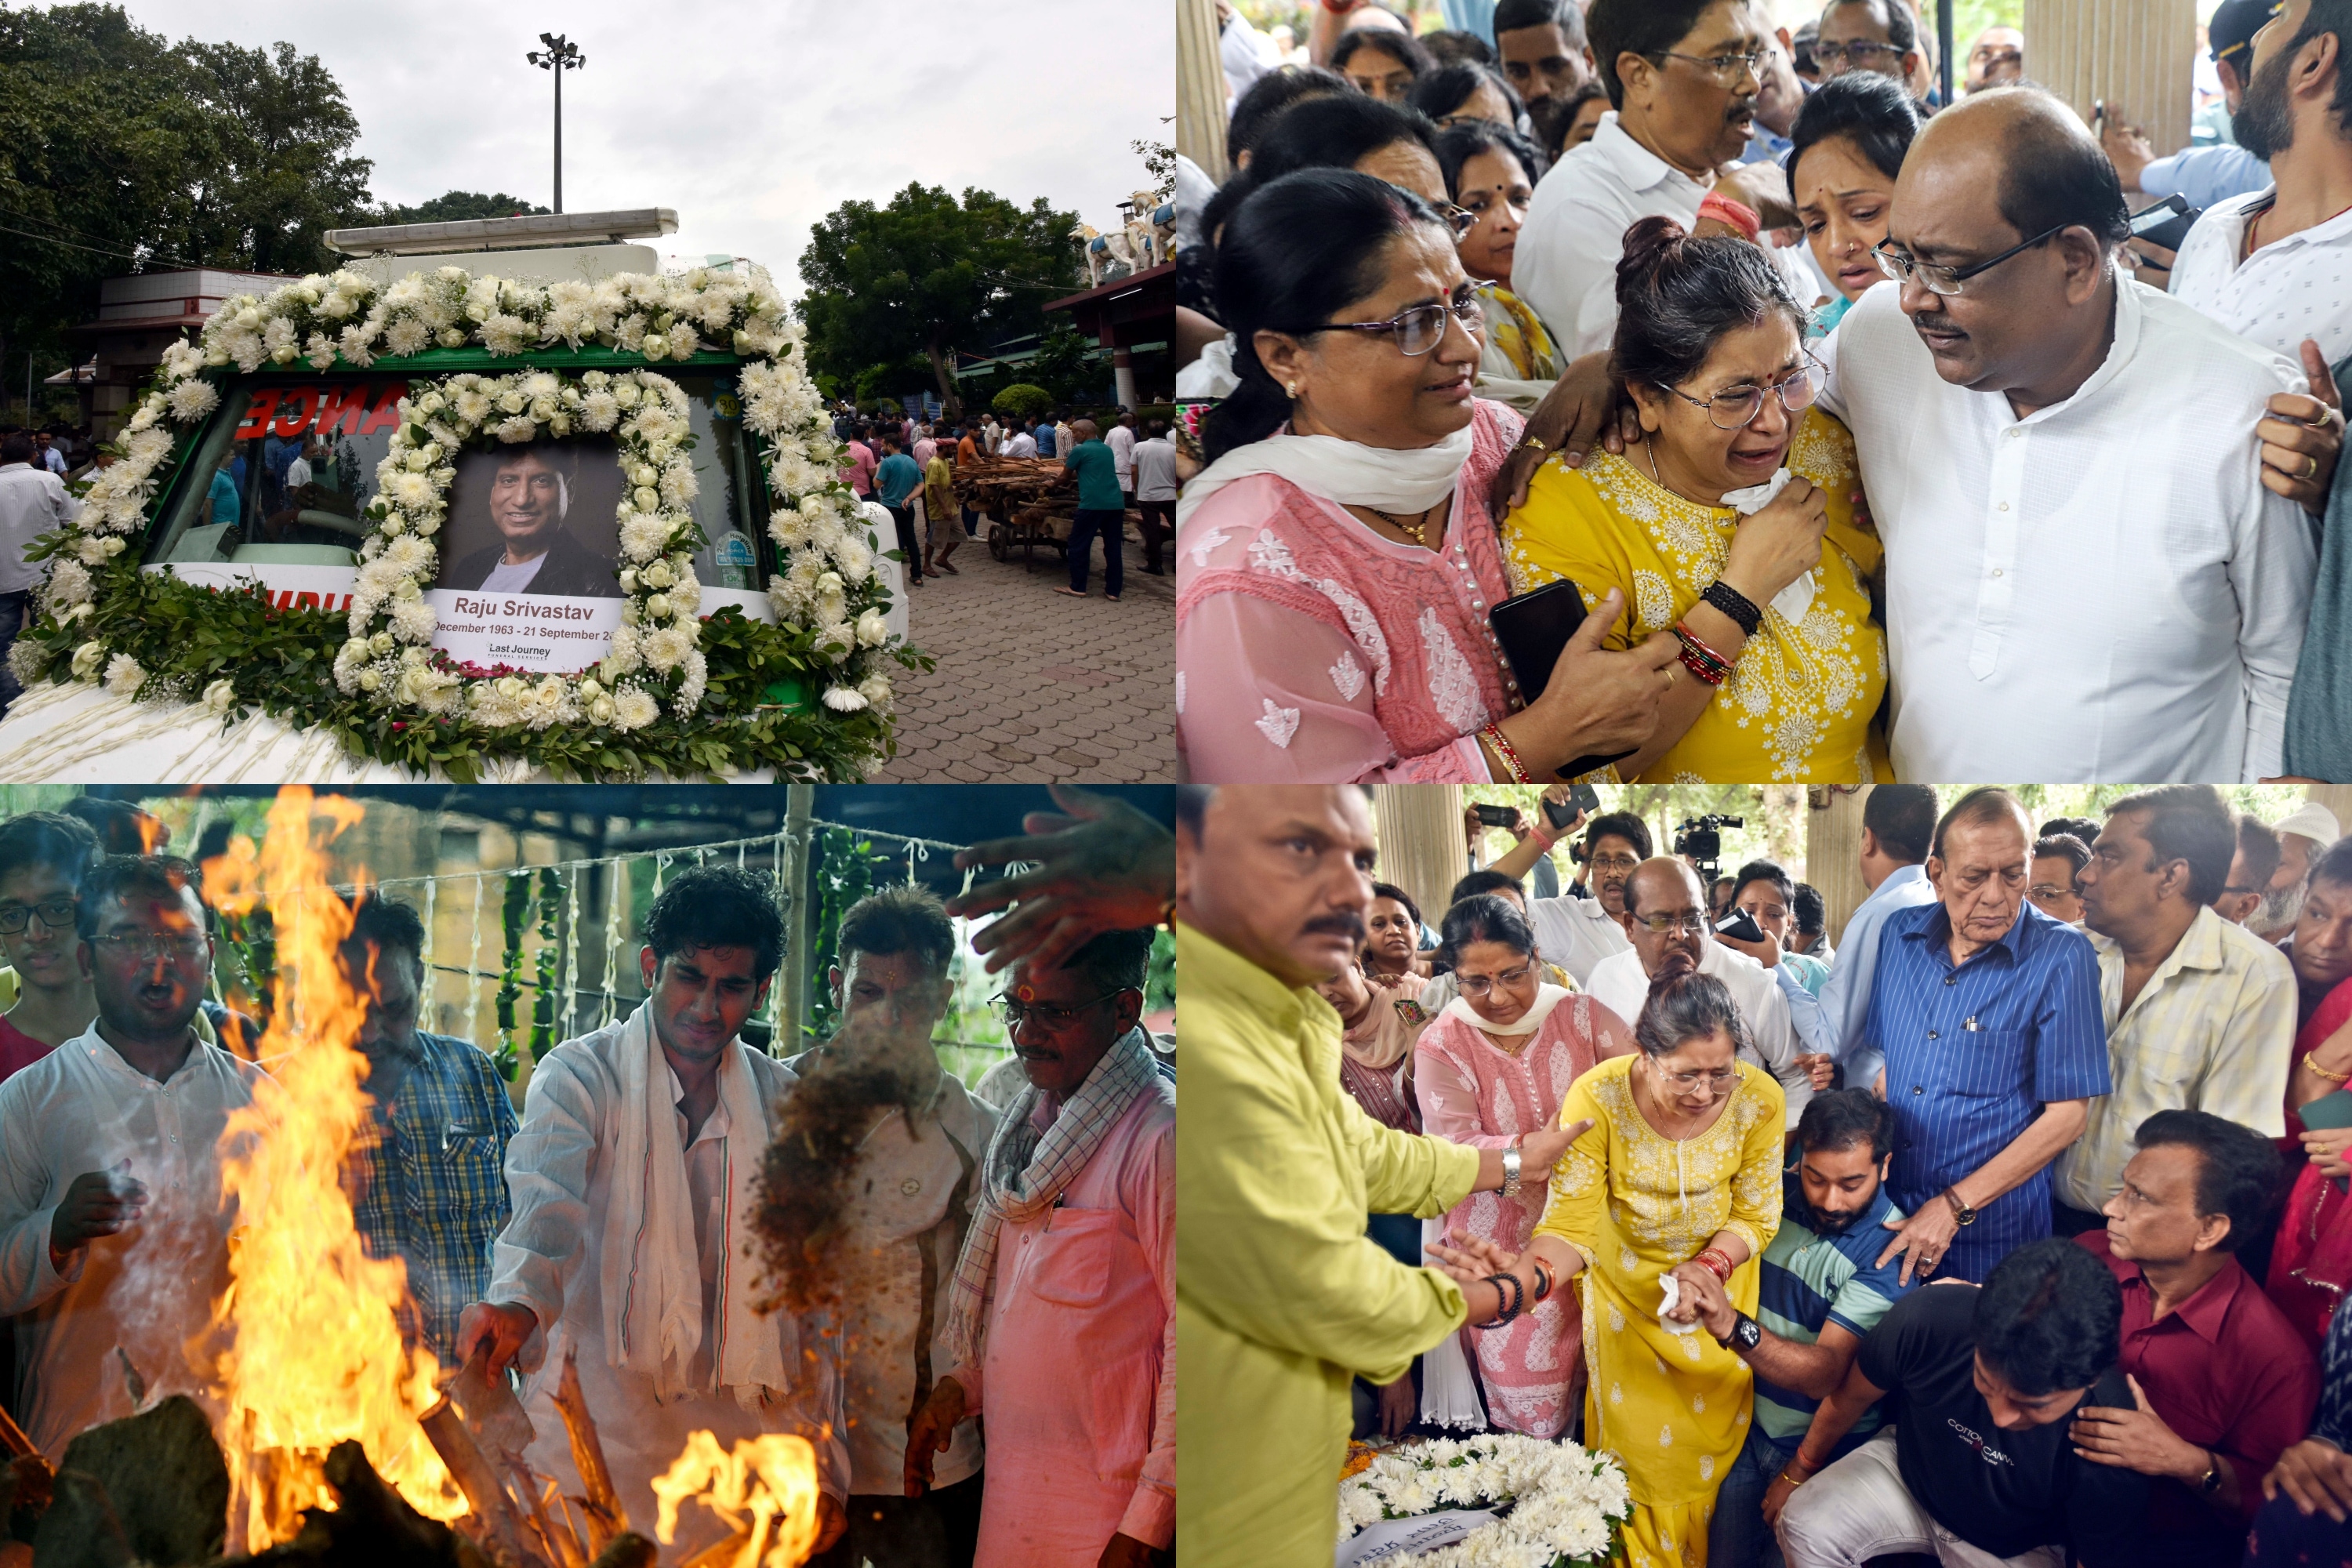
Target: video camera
column 1699, row 842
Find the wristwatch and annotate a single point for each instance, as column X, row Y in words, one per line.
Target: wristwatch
column 1960, row 1210
column 1511, row 1172
column 1746, row 1333
column 2211, row 1481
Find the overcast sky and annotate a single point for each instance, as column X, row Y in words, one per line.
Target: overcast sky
column 753, row 121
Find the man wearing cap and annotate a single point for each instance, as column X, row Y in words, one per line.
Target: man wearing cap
column 2302, row 834
column 2204, row 175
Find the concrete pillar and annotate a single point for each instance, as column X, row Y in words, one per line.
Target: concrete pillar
column 2135, row 55
column 1423, row 849
column 1122, row 371
column 1200, row 87
column 1833, row 854
column 2337, row 798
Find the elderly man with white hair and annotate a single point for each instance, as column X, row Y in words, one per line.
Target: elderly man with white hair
column 2302, row 834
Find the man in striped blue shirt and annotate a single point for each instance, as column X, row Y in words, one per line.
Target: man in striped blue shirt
column 1822, row 1289
column 1988, row 1013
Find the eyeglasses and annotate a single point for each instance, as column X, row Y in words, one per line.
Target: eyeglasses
column 1613, row 862
column 1688, row 1081
column 1725, row 69
column 148, row 944
column 1902, row 265
column 1422, row 328
column 1460, row 219
column 2040, row 890
column 57, row 914
column 1479, row 985
column 1690, row 924
column 1992, row 57
column 1052, row 1020
column 1858, row 54
column 1740, row 408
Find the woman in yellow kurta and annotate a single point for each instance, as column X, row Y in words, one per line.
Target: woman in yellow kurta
column 1679, row 1172
column 1769, row 592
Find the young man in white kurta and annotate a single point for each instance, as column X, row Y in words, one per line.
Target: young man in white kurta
column 913, row 1190
column 123, row 1128
column 630, row 1237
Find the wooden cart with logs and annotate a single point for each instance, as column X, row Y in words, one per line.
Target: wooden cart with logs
column 1027, row 501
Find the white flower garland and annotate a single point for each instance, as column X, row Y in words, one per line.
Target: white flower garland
column 827, row 582
column 1565, row 1502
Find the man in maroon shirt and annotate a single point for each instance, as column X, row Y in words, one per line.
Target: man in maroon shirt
column 2222, row 1383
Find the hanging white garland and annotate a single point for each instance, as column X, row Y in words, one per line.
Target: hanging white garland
column 1564, row 1504
column 826, row 584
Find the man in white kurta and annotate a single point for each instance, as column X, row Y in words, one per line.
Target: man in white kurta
column 2085, row 577
column 1065, row 1330
column 1668, row 890
column 913, row 1190
column 112, row 1234
column 630, row 1243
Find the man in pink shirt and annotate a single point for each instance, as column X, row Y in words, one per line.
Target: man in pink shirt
column 1063, row 1322
column 858, row 472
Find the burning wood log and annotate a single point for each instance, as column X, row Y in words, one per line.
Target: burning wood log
column 494, row 1513
column 370, row 1527
column 602, row 1506
column 80, row 1530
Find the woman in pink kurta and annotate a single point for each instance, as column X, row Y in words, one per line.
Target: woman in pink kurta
column 1336, row 561
column 1493, row 1066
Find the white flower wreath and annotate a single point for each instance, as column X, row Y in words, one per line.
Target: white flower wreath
column 827, row 582
column 1565, row 1503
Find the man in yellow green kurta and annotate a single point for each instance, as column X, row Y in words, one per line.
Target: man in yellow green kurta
column 1280, row 1296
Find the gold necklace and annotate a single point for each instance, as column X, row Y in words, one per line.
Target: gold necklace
column 1418, row 528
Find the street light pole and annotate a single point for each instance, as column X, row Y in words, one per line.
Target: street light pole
column 560, row 55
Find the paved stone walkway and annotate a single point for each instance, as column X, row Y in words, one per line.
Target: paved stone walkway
column 1033, row 685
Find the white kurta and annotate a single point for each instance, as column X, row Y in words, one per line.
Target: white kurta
column 2102, row 590
column 2291, row 289
column 1620, row 984
column 148, row 1290
column 915, row 1196
column 550, row 1257
column 1577, row 935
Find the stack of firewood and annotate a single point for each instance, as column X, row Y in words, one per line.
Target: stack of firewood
column 1027, row 492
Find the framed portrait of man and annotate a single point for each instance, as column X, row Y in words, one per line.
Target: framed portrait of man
column 529, row 570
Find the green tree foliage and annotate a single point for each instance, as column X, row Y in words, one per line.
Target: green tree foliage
column 121, row 150
column 929, row 274
column 453, row 206
column 1021, row 400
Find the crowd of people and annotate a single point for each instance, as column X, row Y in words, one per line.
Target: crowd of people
column 908, row 467
column 990, row 1236
column 1867, row 437
column 2009, row 1227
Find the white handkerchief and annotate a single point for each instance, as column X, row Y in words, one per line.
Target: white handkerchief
column 1795, row 599
column 1674, row 1289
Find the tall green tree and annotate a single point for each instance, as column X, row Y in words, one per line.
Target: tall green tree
column 929, row 274
column 455, row 206
column 121, row 151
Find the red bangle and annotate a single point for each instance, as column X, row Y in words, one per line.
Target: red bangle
column 1701, row 660
column 1716, row 1261
column 1503, row 749
column 1738, row 215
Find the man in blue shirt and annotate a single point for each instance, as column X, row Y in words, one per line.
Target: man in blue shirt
column 1897, row 823
column 1988, row 1013
column 1821, row 1291
column 428, row 1185
column 1102, row 509
column 896, row 480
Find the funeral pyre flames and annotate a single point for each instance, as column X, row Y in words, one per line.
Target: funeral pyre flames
column 766, row 1491
column 314, row 1349
column 313, row 1354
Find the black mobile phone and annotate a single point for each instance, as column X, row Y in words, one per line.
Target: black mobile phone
column 2165, row 224
column 1581, row 798
column 1497, row 815
column 1534, row 629
column 1741, row 925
